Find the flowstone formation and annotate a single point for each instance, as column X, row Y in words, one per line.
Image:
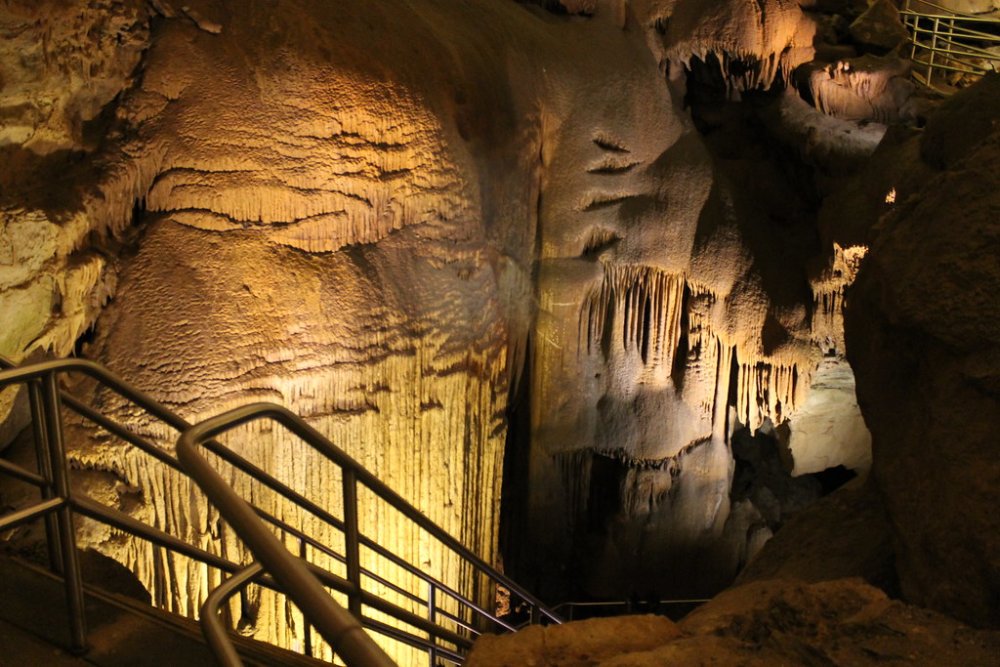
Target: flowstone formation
column 434, row 230
column 63, row 63
column 332, row 229
column 676, row 305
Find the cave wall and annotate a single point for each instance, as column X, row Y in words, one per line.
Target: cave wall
column 64, row 63
column 684, row 295
column 390, row 218
column 922, row 334
column 330, row 228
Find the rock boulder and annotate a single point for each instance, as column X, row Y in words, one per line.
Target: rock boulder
column 923, row 336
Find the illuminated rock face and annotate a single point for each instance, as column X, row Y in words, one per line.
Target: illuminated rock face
column 620, row 203
column 389, row 216
column 763, row 623
column 665, row 322
column 864, row 88
column 62, row 63
column 316, row 234
column 753, row 43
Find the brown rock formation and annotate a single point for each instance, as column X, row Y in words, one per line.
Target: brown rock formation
column 752, row 43
column 61, row 64
column 845, row 534
column 843, row 622
column 583, row 643
column 922, row 335
column 879, row 27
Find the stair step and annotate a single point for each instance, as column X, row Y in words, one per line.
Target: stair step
column 34, row 629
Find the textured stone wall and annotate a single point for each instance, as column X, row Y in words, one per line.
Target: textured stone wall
column 390, row 217
column 922, row 336
column 62, row 64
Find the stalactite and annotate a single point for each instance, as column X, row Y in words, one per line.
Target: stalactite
column 636, row 309
column 859, row 89
column 767, row 389
column 828, row 290
column 751, row 43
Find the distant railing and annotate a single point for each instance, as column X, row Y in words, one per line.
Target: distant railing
column 946, row 46
column 591, row 608
column 59, row 504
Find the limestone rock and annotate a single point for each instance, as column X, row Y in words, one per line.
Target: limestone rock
column 961, row 125
column 836, row 622
column 866, row 88
column 579, row 6
column 834, row 148
column 62, row 63
column 958, row 6
column 845, row 534
column 894, row 173
column 839, row 7
column 922, row 335
column 588, row 642
column 777, row 622
column 879, row 27
column 828, row 429
column 753, row 43
column 393, row 216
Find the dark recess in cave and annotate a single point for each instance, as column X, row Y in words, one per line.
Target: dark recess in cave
column 513, row 491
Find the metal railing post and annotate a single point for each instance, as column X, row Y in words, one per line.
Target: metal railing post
column 953, row 49
column 431, row 615
column 352, row 549
column 306, row 584
column 67, row 534
column 44, row 460
column 934, row 43
column 307, row 630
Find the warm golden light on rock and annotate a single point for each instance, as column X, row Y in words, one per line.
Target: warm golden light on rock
column 570, row 276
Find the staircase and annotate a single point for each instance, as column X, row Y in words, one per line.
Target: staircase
column 122, row 631
column 448, row 620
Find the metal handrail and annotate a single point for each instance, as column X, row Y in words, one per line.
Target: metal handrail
column 216, row 633
column 59, row 504
column 306, row 591
column 946, row 41
column 304, row 503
